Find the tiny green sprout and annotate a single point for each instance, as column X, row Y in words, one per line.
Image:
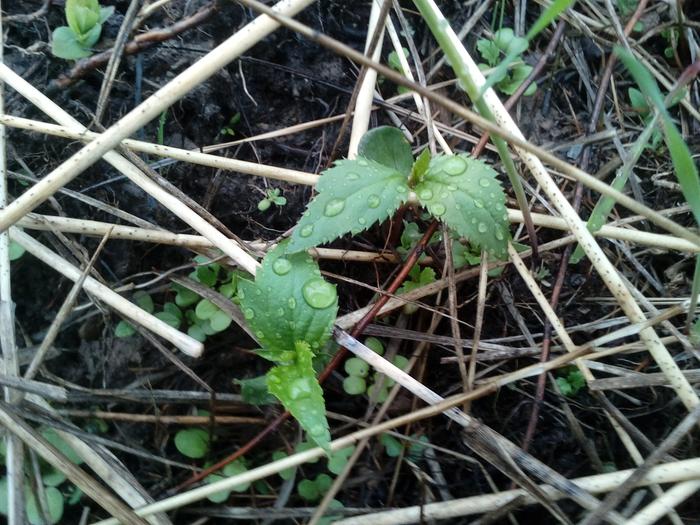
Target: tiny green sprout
column 395, row 64
column 229, row 129
column 392, row 446
column 504, row 42
column 192, row 442
column 313, row 490
column 338, row 459
column 85, row 19
column 571, row 383
column 375, row 345
column 232, row 469
column 416, row 279
column 272, row 196
column 354, row 385
column 16, row 251
column 356, row 367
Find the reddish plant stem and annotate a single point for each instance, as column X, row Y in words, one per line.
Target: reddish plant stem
column 332, row 365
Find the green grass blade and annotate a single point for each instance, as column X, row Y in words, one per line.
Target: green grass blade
column 554, row 10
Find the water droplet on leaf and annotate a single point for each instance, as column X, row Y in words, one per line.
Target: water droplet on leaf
column 248, row 313
column 299, row 388
column 478, row 203
column 373, row 201
column 307, row 230
column 426, row 195
column 281, row 266
column 334, row 207
column 438, row 209
column 319, row 293
column 484, row 182
column 454, row 166
column 291, row 302
column 482, row 227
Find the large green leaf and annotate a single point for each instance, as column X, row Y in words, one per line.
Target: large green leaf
column 295, row 385
column 465, row 194
column 288, row 302
column 352, row 196
column 387, row 146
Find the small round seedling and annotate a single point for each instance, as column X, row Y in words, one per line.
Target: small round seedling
column 375, row 345
column 354, row 385
column 356, row 367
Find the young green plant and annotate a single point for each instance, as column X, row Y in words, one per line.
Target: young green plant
column 85, row 19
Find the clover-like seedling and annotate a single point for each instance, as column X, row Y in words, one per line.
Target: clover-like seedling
column 232, row 469
column 85, row 19
column 458, row 190
column 272, row 196
column 192, row 442
column 503, row 44
column 313, row 490
column 416, row 279
column 143, row 301
column 571, row 383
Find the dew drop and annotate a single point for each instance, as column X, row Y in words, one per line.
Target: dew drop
column 451, row 187
column 248, row 313
column 363, row 163
column 299, row 388
column 426, row 195
column 373, row 201
column 362, row 221
column 482, row 227
column 438, row 209
column 454, row 166
column 401, row 189
column 281, row 266
column 280, row 312
column 478, row 203
column 353, row 176
column 484, row 182
column 260, row 334
column 307, row 230
column 292, row 303
column 241, row 294
column 319, row 293
column 334, row 207
column 499, row 234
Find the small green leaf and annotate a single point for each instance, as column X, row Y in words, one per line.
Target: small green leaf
column 50, row 435
column 52, row 477
column 392, row 446
column 220, row 321
column 89, row 39
column 173, row 310
column 286, row 473
column 420, row 166
column 205, row 309
column 82, row 15
column 338, row 459
column 254, row 391
column 217, row 497
column 639, row 103
column 208, row 275
column 416, row 450
column 465, row 194
column 185, row 297
column 488, row 50
column 288, row 302
column 144, row 301
column 124, row 329
column 16, row 251
column 695, row 333
column 197, row 333
column 394, row 62
column 352, row 196
column 168, row 318
column 233, row 469
column 356, row 367
column 375, row 345
column 308, row 490
column 3, row 496
column 105, row 13
column 264, row 205
column 54, row 502
column 192, row 442
column 387, row 146
column 354, row 385
column 295, row 385
column 64, row 44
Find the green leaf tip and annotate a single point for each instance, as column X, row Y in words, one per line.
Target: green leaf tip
column 465, row 194
column 352, row 196
column 295, row 385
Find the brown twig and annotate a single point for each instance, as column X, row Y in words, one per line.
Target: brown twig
column 30, row 17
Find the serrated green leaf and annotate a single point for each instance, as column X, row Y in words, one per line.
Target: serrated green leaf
column 295, row 385
column 288, row 302
column 65, row 44
column 254, row 391
column 54, row 502
column 387, row 146
column 466, row 195
column 352, row 196
column 192, row 442
column 488, row 50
